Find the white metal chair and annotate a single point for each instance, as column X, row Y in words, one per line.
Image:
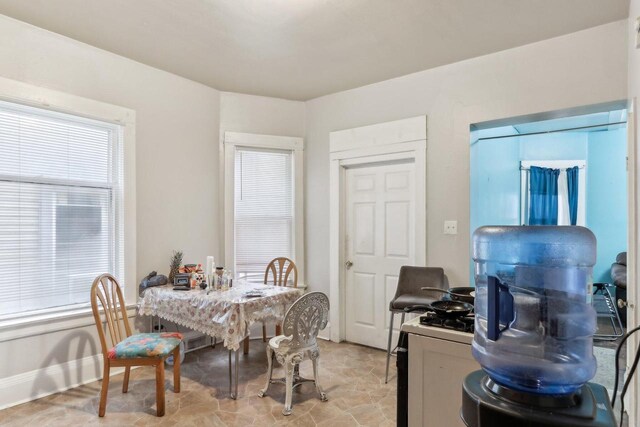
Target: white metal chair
column 281, row 271
column 302, row 322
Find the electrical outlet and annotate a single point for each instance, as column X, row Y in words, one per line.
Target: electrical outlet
column 451, row 227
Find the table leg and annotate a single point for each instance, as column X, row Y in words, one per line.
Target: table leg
column 245, row 345
column 230, row 378
column 233, row 388
column 236, row 386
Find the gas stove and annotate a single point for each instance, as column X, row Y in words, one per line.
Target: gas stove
column 462, row 324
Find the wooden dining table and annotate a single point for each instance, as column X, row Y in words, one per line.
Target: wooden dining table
column 224, row 315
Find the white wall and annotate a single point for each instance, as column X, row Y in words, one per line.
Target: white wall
column 261, row 115
column 634, row 59
column 634, row 53
column 583, row 68
column 176, row 145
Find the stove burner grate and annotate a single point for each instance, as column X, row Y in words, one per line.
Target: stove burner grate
column 462, row 324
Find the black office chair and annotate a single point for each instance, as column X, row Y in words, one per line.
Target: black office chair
column 409, row 294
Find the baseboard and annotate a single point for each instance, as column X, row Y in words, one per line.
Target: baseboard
column 52, row 379
column 325, row 334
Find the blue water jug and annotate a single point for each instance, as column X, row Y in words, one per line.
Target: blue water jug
column 534, row 321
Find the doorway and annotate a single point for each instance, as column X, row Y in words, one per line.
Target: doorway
column 377, row 186
column 378, row 240
column 593, row 144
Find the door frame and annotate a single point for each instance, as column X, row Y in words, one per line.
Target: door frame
column 632, row 404
column 400, row 140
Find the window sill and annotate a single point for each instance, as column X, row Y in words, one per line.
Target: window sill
column 45, row 323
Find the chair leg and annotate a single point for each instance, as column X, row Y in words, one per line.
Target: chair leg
column 264, row 332
column 125, row 382
column 105, row 388
column 176, row 370
column 263, row 392
column 245, row 345
column 386, row 375
column 289, row 368
column 278, row 329
column 160, row 388
column 323, row 395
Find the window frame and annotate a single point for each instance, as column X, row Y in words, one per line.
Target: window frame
column 54, row 319
column 235, row 140
column 112, row 186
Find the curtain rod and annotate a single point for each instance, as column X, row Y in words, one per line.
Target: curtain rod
column 524, row 168
column 550, row 131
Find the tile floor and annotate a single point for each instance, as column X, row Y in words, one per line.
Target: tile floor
column 352, row 376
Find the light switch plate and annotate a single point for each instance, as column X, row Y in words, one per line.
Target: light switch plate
column 451, row 227
column 638, row 32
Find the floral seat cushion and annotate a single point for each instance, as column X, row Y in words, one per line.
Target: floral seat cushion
column 145, row 345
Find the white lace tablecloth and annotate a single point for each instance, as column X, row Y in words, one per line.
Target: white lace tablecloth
column 226, row 315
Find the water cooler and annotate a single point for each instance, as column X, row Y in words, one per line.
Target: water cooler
column 533, row 330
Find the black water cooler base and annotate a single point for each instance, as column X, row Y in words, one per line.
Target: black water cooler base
column 481, row 407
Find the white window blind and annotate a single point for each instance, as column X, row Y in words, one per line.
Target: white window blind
column 264, row 210
column 60, row 208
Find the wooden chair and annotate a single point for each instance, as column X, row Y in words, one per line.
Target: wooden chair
column 283, row 272
column 280, row 269
column 125, row 349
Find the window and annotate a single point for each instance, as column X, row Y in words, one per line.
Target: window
column 263, row 209
column 263, row 203
column 61, row 211
column 563, row 194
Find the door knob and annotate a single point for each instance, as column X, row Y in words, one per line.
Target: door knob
column 348, row 264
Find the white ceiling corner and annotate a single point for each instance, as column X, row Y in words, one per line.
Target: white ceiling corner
column 301, row 49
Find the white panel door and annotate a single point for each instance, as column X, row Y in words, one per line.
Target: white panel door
column 380, row 227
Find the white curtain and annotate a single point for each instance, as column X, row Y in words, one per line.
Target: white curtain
column 563, row 199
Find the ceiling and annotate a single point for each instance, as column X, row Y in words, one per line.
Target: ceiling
column 302, row 49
